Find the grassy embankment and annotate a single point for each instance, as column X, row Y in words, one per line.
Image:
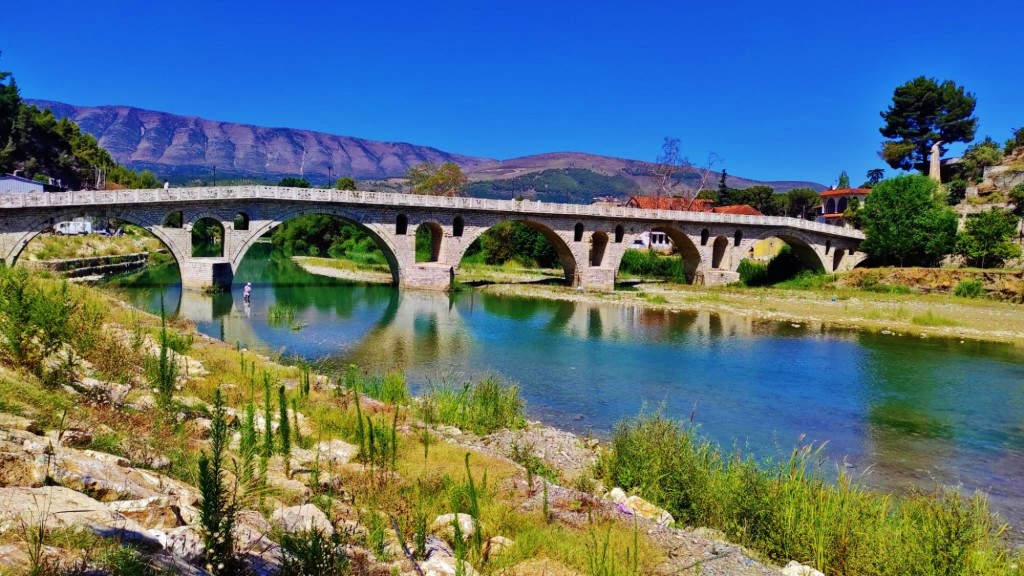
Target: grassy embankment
column 782, row 510
column 53, row 247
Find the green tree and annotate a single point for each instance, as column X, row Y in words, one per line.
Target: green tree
column 444, row 180
column 345, row 183
column 906, row 220
column 956, row 191
column 987, row 238
column 979, row 156
column 875, row 176
column 723, row 186
column 852, row 214
column 291, row 182
column 1014, row 142
column 760, row 197
column 218, row 504
column 802, row 202
column 844, row 181
column 1016, row 195
column 924, row 112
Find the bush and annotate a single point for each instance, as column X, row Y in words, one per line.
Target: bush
column 312, row 554
column 650, row 264
column 789, row 510
column 956, row 192
column 483, row 407
column 753, row 273
column 968, row 288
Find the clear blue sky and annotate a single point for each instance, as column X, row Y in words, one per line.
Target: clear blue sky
column 779, row 90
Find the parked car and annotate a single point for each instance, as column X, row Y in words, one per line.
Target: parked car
column 72, row 228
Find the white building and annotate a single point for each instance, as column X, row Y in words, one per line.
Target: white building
column 653, row 240
column 17, row 185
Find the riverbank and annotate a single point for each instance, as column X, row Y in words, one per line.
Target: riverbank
column 123, row 443
column 909, row 314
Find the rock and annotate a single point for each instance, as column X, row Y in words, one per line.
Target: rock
column 144, row 402
column 302, row 519
column 795, row 568
column 75, row 437
column 60, row 507
column 185, row 542
column 497, row 544
column 617, row 495
column 645, row 509
column 19, row 469
column 443, row 525
column 440, row 559
column 12, row 422
column 110, row 391
column 109, row 477
column 158, row 513
column 261, row 555
column 334, row 452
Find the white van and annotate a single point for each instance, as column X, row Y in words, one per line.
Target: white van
column 72, row 228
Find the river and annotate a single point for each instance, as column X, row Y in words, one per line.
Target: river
column 898, row 412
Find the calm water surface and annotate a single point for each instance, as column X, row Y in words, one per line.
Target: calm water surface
column 900, row 411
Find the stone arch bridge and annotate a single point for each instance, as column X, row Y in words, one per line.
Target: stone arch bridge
column 590, row 240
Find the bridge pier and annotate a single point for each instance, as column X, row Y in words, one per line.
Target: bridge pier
column 206, row 274
column 597, row 279
column 720, row 277
column 427, row 276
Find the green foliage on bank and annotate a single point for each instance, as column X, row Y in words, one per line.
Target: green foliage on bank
column 484, row 406
column 651, row 264
column 41, row 147
column 575, row 185
column 907, row 221
column 789, row 510
column 781, row 267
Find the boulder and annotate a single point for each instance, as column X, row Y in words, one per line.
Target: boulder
column 157, row 513
column 12, row 422
column 617, row 495
column 645, row 509
column 261, row 555
column 303, row 518
column 496, row 545
column 443, row 525
column 333, row 452
column 795, row 568
column 19, row 469
column 440, row 559
column 185, row 542
column 60, row 507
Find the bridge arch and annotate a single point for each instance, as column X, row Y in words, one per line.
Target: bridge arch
column 598, row 245
column 566, row 257
column 436, row 233
column 377, row 232
column 803, row 248
column 42, row 224
column 688, row 251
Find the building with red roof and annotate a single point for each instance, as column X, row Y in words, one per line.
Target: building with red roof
column 835, row 202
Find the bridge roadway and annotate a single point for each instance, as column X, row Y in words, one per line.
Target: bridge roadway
column 590, row 239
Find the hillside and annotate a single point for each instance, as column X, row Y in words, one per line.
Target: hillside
column 186, row 147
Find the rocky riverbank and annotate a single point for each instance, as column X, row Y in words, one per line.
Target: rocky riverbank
column 88, row 465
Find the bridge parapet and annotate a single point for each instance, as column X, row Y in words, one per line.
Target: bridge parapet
column 278, row 193
column 590, row 240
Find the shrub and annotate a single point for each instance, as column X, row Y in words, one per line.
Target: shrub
column 483, row 407
column 968, row 288
column 753, row 273
column 312, row 553
column 956, row 191
column 789, row 510
column 650, row 264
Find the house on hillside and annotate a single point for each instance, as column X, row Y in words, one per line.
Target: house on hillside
column 835, row 202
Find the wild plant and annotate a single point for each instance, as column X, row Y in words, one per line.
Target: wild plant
column 284, row 430
column 218, row 501
column 312, row 553
column 163, row 370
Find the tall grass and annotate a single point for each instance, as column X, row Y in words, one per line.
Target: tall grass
column 651, row 264
column 788, row 510
column 483, row 406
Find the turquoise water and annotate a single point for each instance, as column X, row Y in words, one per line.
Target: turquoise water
column 897, row 411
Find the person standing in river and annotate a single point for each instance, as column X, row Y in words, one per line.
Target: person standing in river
column 247, row 292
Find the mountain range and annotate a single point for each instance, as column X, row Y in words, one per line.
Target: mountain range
column 185, row 148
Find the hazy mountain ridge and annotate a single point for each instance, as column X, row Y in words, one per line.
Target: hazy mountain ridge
column 188, row 147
